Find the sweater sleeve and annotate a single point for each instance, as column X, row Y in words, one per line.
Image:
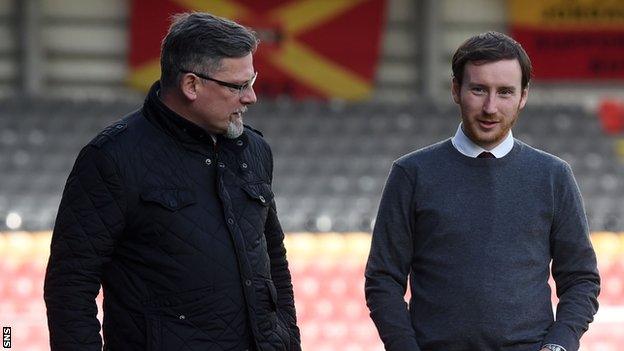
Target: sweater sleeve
column 89, row 219
column 574, row 265
column 389, row 263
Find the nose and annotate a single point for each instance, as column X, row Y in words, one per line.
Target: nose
column 489, row 105
column 249, row 96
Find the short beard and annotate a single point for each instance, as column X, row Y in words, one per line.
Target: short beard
column 235, row 128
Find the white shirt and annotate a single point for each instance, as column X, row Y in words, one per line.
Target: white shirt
column 467, row 147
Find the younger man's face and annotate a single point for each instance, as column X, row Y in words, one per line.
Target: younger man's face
column 490, row 99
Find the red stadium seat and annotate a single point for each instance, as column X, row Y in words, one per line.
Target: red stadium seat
column 612, row 116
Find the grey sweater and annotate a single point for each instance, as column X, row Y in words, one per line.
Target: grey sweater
column 476, row 237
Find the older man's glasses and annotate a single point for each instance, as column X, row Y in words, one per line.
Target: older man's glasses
column 240, row 88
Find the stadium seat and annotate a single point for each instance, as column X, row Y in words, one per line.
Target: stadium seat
column 334, row 150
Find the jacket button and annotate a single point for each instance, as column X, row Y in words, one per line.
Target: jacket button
column 173, row 203
column 221, row 164
column 239, row 142
column 262, row 199
column 208, row 161
column 257, row 242
column 230, row 221
column 248, row 282
column 244, row 165
column 182, row 316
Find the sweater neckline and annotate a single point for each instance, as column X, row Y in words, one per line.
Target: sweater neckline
column 482, row 162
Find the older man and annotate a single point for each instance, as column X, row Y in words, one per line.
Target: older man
column 171, row 211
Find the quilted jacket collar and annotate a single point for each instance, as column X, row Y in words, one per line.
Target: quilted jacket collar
column 172, row 123
column 182, row 129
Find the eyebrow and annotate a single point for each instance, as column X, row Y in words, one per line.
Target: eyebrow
column 512, row 88
column 239, row 82
column 479, row 85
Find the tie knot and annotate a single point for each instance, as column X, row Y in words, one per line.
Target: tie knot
column 485, row 154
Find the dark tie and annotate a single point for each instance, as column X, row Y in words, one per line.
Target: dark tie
column 485, row 154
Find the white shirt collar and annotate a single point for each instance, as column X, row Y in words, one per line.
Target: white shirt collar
column 467, row 147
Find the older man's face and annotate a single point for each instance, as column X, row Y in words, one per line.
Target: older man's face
column 490, row 99
column 220, row 109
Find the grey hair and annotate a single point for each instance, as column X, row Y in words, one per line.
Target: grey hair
column 198, row 42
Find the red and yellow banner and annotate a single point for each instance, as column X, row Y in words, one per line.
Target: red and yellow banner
column 571, row 39
column 309, row 48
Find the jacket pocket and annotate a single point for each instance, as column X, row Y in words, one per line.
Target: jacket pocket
column 272, row 294
column 275, row 331
column 162, row 220
column 260, row 192
column 188, row 319
column 171, row 199
column 266, row 306
column 255, row 210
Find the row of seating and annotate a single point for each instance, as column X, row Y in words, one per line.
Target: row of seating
column 328, row 279
column 331, row 159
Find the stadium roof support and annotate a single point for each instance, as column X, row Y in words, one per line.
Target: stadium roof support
column 430, row 38
column 30, row 51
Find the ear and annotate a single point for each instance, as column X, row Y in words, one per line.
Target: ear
column 523, row 98
column 188, row 86
column 455, row 90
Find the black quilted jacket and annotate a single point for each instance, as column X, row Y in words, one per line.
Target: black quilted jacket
column 181, row 234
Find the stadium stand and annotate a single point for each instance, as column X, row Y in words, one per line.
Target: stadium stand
column 331, row 160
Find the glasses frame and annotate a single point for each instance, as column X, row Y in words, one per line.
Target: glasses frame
column 240, row 87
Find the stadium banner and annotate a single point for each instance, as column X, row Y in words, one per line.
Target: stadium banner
column 309, row 48
column 576, row 40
